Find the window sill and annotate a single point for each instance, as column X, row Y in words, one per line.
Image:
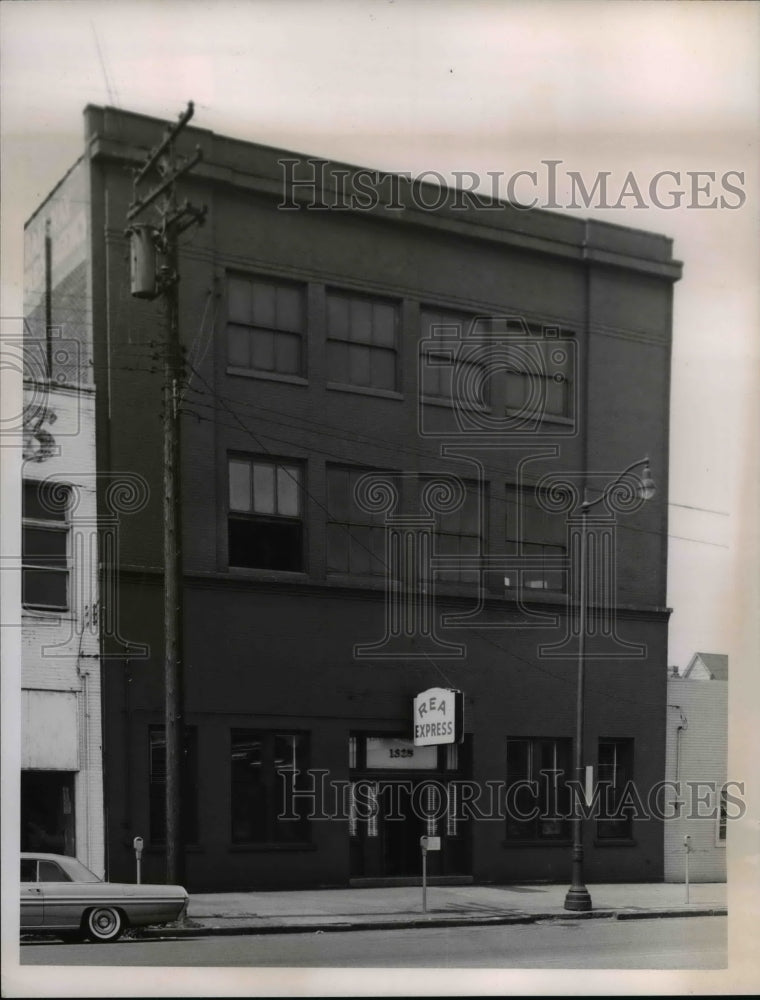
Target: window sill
column 272, row 846
column 37, row 611
column 448, row 404
column 545, row 418
column 264, row 575
column 365, row 390
column 507, row 844
column 267, row 376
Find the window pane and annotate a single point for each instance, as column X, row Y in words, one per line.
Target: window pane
column 265, row 544
column 337, row 548
column 45, row 588
column 289, row 308
column 262, row 353
column 240, row 485
column 377, row 546
column 337, row 362
column 288, row 493
column 248, row 801
column 383, row 369
column 555, row 397
column 51, row 872
column 384, row 324
column 263, row 488
column 239, row 300
column 358, row 364
column 360, row 549
column 264, row 304
column 338, row 503
column 44, row 546
column 518, row 388
column 238, row 346
column 287, row 353
column 361, row 321
column 337, row 317
column 42, row 501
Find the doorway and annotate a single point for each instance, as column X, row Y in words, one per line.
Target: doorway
column 47, row 812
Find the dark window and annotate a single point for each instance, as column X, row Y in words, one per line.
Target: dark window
column 355, row 537
column 157, row 785
column 362, row 340
column 538, row 799
column 265, row 767
column 614, row 772
column 28, row 870
column 265, row 528
column 45, row 572
column 452, row 368
column 538, row 377
column 266, row 322
column 461, row 533
column 533, row 530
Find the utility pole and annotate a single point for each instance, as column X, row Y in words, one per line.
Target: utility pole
column 155, row 271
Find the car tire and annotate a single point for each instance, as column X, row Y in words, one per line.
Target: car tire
column 104, row 924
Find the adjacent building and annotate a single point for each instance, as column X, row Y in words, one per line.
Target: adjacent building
column 61, row 739
column 393, row 400
column 697, row 762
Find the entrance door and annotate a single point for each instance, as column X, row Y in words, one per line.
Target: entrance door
column 402, row 792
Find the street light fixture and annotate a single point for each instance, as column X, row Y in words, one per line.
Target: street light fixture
column 578, row 897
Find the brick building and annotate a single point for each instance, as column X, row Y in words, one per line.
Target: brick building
column 480, row 366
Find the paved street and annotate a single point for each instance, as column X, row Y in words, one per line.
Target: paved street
column 678, row 943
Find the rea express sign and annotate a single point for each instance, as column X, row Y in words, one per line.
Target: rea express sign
column 438, row 717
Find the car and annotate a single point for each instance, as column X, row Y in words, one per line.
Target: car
column 60, row 895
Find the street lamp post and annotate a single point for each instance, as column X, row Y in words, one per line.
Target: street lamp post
column 578, row 897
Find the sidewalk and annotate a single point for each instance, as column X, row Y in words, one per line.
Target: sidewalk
column 369, row 909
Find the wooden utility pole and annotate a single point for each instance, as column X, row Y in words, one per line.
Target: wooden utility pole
column 149, row 280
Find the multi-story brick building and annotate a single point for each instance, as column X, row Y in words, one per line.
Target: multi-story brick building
column 484, row 364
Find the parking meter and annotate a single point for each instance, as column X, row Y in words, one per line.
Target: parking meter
column 137, row 843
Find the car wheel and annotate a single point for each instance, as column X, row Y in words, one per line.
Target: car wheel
column 104, row 923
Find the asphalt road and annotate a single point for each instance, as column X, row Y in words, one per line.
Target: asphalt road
column 672, row 943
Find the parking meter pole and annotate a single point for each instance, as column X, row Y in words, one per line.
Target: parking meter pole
column 424, row 880
column 137, row 843
column 686, row 845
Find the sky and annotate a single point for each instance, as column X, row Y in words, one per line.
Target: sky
column 409, row 85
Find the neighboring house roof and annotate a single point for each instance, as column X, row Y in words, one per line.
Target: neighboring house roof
column 707, row 667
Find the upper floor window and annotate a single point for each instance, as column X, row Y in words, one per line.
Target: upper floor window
column 266, row 323
column 362, row 341
column 452, row 367
column 355, row 537
column 44, row 545
column 459, row 534
column 265, row 525
column 532, row 530
column 538, row 377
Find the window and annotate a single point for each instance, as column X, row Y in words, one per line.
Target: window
column 614, row 772
column 157, row 785
column 45, row 572
column 538, row 799
column 538, row 377
column 355, row 537
column 362, row 341
column 531, row 530
column 451, row 367
column 264, row 769
column 266, row 322
column 49, row 871
column 265, row 528
column 723, row 817
column 461, row 533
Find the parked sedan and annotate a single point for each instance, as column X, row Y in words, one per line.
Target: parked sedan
column 60, row 895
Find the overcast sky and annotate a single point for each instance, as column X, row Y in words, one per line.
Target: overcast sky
column 478, row 86
column 413, row 86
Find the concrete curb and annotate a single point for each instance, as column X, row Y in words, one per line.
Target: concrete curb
column 418, row 921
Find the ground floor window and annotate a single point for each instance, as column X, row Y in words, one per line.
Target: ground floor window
column 614, row 774
column 537, row 796
column 47, row 812
column 265, row 767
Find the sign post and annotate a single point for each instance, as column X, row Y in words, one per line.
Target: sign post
column 427, row 844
